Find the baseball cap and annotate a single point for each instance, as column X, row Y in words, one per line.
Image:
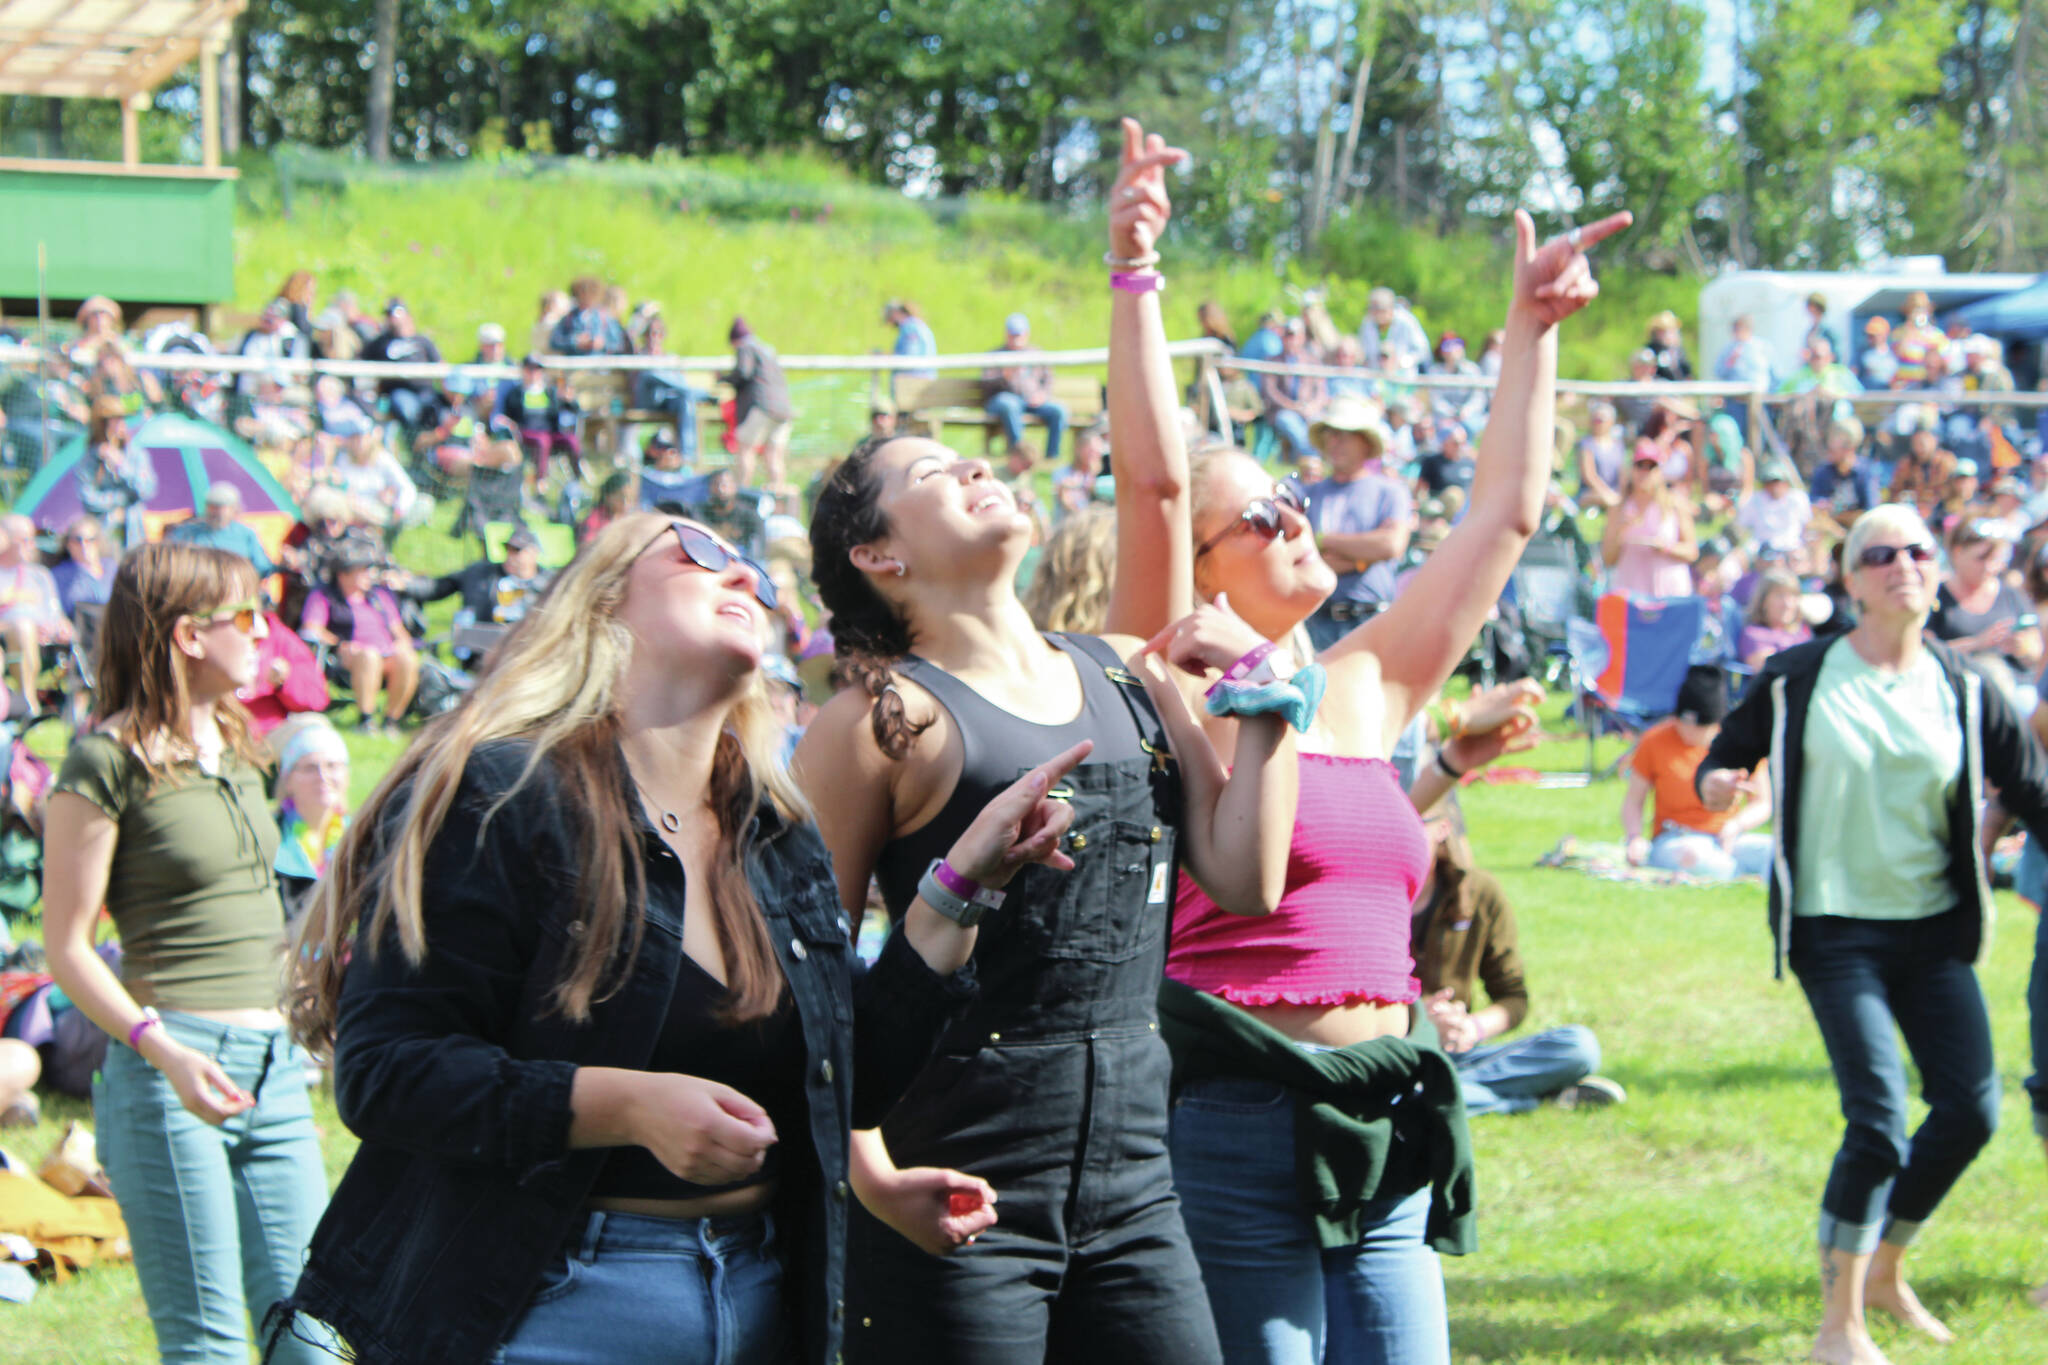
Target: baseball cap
column 1965, row 469
column 220, row 491
column 522, row 538
column 491, row 331
column 1016, row 325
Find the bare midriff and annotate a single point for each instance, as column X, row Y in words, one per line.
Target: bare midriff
column 727, row 1204
column 1334, row 1025
column 252, row 1018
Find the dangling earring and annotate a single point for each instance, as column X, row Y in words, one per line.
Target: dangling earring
column 901, row 568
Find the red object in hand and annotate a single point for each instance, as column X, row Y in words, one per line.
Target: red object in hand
column 961, row 1202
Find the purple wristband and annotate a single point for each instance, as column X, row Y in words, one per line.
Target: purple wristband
column 142, row 1025
column 1137, row 281
column 1244, row 667
column 963, row 887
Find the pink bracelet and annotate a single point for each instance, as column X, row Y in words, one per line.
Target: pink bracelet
column 1137, row 281
column 149, row 1020
column 965, row 888
column 1244, row 667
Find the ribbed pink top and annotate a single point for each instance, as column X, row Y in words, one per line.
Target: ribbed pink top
column 1340, row 934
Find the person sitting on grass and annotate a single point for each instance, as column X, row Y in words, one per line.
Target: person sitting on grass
column 667, row 483
column 219, row 525
column 1687, row 836
column 1774, row 621
column 312, row 807
column 360, row 619
column 1464, row 930
column 85, row 575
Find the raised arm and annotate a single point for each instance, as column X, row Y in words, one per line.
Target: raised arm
column 1431, row 624
column 1155, row 581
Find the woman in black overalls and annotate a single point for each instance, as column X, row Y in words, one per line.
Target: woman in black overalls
column 1054, row 1089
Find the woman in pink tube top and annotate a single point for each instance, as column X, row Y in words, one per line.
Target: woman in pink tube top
column 1318, row 1139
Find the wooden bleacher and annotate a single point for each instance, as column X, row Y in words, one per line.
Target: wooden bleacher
column 606, row 398
column 927, row 406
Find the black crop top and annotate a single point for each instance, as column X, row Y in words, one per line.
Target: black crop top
column 763, row 1060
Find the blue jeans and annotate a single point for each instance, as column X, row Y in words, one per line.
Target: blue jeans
column 1278, row 1297
column 1862, row 977
column 1684, row 850
column 1515, row 1076
column 1292, row 429
column 681, row 1291
column 219, row 1217
column 1010, row 410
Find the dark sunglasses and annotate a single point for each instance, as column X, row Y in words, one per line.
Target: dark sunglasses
column 1878, row 556
column 709, row 553
column 1263, row 515
column 1648, row 464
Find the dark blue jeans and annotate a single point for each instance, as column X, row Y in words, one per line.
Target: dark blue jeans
column 2032, row 882
column 1862, row 977
column 1011, row 410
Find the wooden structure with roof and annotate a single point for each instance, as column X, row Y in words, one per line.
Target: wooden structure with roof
column 142, row 234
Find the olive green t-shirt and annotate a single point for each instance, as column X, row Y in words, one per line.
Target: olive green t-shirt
column 191, row 888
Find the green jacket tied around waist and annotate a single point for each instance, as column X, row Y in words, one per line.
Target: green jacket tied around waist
column 1345, row 1127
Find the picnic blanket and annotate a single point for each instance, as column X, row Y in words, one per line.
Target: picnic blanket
column 59, row 1219
column 1609, row 862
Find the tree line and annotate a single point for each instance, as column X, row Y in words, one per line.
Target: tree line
column 1760, row 133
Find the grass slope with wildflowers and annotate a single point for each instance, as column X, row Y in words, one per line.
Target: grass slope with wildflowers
column 1676, row 1228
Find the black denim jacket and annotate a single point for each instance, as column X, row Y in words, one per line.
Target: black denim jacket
column 456, row 1076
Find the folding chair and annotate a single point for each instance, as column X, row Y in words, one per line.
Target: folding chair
column 1628, row 662
column 494, row 496
column 1546, row 588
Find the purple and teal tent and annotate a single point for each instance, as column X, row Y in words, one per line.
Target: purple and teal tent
column 188, row 455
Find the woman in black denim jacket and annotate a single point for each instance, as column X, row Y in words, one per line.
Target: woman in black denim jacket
column 588, row 880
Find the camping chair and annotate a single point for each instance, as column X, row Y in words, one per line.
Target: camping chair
column 1628, row 662
column 1546, row 588
column 494, row 496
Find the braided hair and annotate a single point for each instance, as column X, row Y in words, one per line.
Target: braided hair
column 869, row 633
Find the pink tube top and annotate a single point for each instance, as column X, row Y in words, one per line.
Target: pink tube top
column 1340, row 934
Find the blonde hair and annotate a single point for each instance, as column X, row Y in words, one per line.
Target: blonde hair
column 553, row 682
column 1777, row 580
column 1070, row 590
column 1202, row 469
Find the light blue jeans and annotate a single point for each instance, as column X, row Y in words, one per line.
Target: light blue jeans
column 628, row 1289
column 1278, row 1297
column 1515, row 1076
column 219, row 1217
column 1011, row 410
column 1683, row 850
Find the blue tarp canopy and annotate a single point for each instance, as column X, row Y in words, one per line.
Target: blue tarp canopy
column 2021, row 315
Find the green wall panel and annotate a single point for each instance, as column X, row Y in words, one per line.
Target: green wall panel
column 131, row 237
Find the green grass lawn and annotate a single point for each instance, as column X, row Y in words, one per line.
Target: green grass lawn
column 1678, row 1227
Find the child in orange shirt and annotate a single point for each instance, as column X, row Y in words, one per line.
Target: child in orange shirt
column 1686, row 836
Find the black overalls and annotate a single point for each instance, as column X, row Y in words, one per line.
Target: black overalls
column 1053, row 1088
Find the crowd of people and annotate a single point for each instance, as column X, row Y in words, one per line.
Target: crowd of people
column 1132, row 778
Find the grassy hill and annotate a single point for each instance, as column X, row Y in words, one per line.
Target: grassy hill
column 807, row 254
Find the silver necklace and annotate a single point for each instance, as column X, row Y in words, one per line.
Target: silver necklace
column 670, row 821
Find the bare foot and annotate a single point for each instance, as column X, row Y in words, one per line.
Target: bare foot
column 1846, row 1346
column 1897, row 1298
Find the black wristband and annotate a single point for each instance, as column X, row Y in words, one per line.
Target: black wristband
column 1455, row 774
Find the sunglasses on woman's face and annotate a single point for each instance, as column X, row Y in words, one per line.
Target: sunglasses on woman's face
column 245, row 614
column 1263, row 515
column 1647, row 465
column 709, row 553
column 1879, row 556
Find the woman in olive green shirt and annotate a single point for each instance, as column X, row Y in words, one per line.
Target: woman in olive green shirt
column 158, row 814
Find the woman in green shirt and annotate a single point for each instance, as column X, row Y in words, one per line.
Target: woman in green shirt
column 158, row 814
column 1880, row 745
